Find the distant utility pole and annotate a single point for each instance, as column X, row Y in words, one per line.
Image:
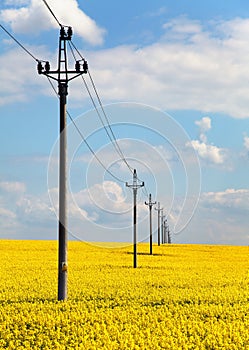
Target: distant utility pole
column 165, row 228
column 158, row 209
column 169, row 236
column 62, row 75
column 162, row 226
column 150, row 204
column 135, row 185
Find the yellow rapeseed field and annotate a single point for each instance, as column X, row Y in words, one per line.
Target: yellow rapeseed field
column 182, row 297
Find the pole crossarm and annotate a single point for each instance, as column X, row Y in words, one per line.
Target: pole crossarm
column 43, row 67
column 136, row 184
column 150, row 203
column 48, row 74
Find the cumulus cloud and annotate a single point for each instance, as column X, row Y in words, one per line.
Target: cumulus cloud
column 201, row 69
column 246, row 142
column 210, row 153
column 204, row 125
column 21, row 87
column 221, row 218
column 228, row 199
column 22, row 214
column 201, row 72
column 34, row 17
column 222, row 215
column 103, row 201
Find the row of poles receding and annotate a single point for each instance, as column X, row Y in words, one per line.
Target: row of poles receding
column 163, row 227
column 63, row 75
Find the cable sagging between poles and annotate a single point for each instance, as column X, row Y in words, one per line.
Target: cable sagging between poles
column 110, row 134
column 18, row 43
column 85, row 141
column 52, row 13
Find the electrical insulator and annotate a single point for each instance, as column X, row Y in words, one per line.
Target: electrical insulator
column 85, row 67
column 47, row 67
column 62, row 33
column 77, row 66
column 69, row 33
column 39, row 68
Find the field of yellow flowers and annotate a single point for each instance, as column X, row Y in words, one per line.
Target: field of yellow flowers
column 182, row 297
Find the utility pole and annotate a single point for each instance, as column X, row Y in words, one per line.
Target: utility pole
column 150, row 204
column 162, row 227
column 165, row 228
column 62, row 75
column 135, row 185
column 158, row 209
column 169, row 236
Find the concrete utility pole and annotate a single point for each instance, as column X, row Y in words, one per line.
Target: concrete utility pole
column 150, row 204
column 62, row 75
column 158, row 209
column 169, row 236
column 165, row 228
column 135, row 185
column 162, row 226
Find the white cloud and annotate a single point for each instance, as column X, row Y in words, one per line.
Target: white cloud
column 221, row 218
column 12, row 187
column 206, row 71
column 24, row 85
column 35, row 17
column 24, row 215
column 246, row 142
column 107, row 196
column 202, row 73
column 182, row 26
column 210, row 153
column 16, row 2
column 228, row 199
column 204, row 125
column 222, row 215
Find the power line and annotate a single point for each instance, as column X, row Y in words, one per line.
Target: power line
column 116, row 145
column 85, row 141
column 87, row 144
column 115, row 140
column 97, row 111
column 91, row 97
column 18, row 43
column 118, row 149
column 112, row 138
column 52, row 13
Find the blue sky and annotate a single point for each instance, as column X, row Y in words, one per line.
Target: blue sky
column 174, row 79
